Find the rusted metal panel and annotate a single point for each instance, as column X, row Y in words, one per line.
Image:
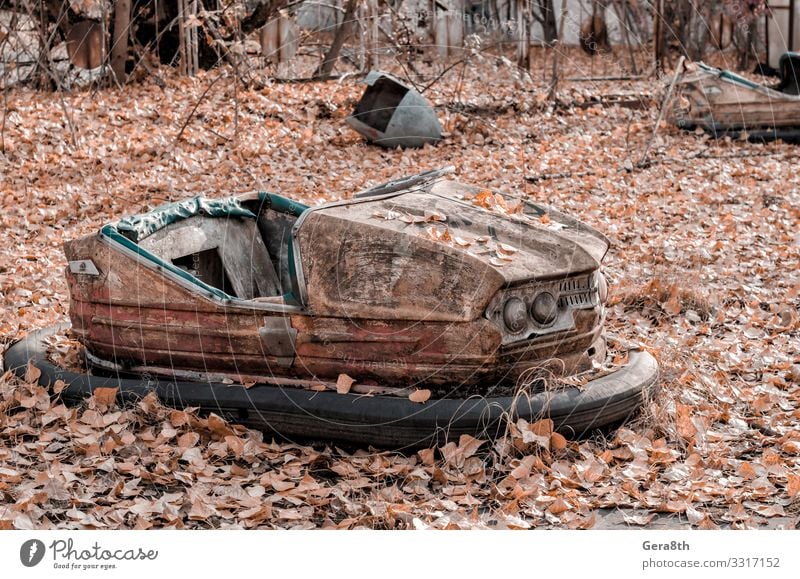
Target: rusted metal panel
column 719, row 100
column 435, row 257
column 380, row 272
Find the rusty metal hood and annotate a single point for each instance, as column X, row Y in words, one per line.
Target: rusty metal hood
column 442, row 249
column 525, row 240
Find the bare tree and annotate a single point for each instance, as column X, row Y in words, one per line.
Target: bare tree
column 119, row 45
column 545, row 14
column 325, row 68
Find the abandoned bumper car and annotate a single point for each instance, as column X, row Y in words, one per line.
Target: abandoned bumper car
column 724, row 103
column 419, row 310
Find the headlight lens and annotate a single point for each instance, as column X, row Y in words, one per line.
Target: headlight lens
column 544, row 309
column 602, row 286
column 514, row 315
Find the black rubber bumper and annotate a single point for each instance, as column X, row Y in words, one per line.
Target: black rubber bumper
column 381, row 421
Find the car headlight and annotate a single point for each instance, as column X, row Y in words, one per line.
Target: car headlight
column 544, row 309
column 602, row 286
column 514, row 315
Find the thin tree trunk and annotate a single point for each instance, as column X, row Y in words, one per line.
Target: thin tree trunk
column 547, row 19
column 119, row 46
column 523, row 42
column 325, row 68
column 658, row 36
column 557, row 48
column 183, row 63
column 187, row 35
column 372, row 60
column 621, row 9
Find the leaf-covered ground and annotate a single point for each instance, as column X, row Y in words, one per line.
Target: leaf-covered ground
column 705, row 267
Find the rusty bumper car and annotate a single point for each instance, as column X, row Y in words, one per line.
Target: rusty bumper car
column 417, row 311
column 722, row 102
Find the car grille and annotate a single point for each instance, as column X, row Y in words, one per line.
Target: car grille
column 577, row 293
column 574, row 293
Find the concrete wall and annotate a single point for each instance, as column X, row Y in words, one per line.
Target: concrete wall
column 778, row 30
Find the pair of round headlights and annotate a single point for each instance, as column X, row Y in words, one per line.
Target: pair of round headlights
column 543, row 310
column 544, row 307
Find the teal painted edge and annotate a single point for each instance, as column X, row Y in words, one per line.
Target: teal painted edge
column 111, row 232
column 282, row 204
column 137, row 227
column 726, row 74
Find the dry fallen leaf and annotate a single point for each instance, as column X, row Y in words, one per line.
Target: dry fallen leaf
column 343, row 383
column 558, row 507
column 557, row 442
column 419, row 396
column 105, row 396
column 188, row 439
column 793, row 485
column 32, row 373
column 640, row 520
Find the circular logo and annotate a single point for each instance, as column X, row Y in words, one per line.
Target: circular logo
column 31, row 553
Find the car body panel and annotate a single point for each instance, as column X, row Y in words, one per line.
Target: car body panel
column 720, row 100
column 379, row 299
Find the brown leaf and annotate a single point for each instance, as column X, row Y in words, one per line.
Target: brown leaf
column 640, row 520
column 218, row 426
column 344, row 383
column 178, row 418
column 747, row 472
column 427, row 456
column 419, row 396
column 542, row 427
column 105, row 396
column 559, row 506
column 686, row 427
column 467, row 444
column 32, row 373
column 793, row 485
column 188, row 440
column 200, row 511
column 557, row 441
column 235, row 444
